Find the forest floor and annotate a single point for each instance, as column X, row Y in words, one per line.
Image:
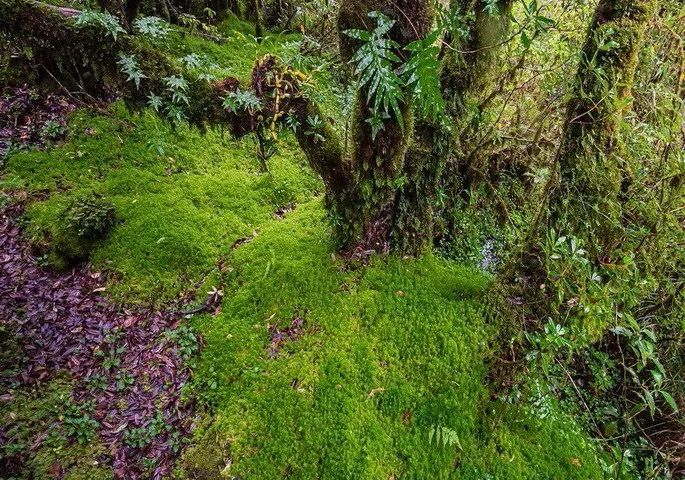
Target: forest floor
column 311, row 366
column 62, row 324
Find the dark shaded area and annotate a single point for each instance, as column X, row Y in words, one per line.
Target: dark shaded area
column 28, row 118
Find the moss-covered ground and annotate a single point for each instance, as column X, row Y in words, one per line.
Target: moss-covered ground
column 40, row 435
column 388, row 352
column 182, row 197
column 385, row 353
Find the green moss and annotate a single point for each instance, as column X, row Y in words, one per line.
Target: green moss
column 182, row 198
column 387, row 352
column 233, row 24
column 236, row 56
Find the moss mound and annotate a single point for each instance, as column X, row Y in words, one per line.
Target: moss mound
column 182, row 198
column 381, row 356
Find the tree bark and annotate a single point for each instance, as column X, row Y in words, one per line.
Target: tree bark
column 375, row 212
column 468, row 74
column 258, row 20
column 585, row 201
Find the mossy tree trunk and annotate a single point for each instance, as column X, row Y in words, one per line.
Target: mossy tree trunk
column 162, row 9
column 585, row 201
column 469, row 73
column 381, row 207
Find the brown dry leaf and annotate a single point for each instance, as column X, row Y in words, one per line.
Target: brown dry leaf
column 55, row 470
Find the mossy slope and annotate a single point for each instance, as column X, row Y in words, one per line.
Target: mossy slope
column 388, row 352
column 182, row 197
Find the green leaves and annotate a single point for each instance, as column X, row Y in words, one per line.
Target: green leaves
column 191, row 61
column 242, row 100
column 178, row 86
column 535, row 22
column 129, row 66
column 421, row 75
column 492, row 7
column 669, row 399
column 443, row 436
column 389, row 81
column 314, row 125
column 152, row 27
column 105, row 20
column 374, row 62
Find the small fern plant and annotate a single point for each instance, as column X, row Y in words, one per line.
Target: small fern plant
column 374, row 64
column 129, row 66
column 105, row 20
column 443, row 436
column 152, row 27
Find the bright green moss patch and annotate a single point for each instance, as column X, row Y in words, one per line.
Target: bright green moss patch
column 181, row 197
column 387, row 353
column 234, row 57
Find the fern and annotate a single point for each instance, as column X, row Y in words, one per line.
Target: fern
column 422, row 75
column 129, row 65
column 242, row 100
column 153, row 27
column 492, row 7
column 105, row 20
column 374, row 63
column 455, row 23
column 155, row 101
column 443, row 436
column 191, row 61
column 178, row 86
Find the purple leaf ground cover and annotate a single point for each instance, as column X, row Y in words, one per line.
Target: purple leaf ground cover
column 64, row 324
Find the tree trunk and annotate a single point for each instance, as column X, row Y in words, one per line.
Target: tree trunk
column 468, row 74
column 585, row 201
column 258, row 20
column 373, row 213
column 162, row 9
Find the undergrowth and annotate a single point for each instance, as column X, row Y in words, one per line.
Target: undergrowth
column 49, row 435
column 387, row 354
column 182, row 198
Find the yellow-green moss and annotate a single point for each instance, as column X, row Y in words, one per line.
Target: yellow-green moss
column 388, row 352
column 182, row 197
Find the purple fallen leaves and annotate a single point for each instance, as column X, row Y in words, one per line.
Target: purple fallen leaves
column 29, row 118
column 62, row 323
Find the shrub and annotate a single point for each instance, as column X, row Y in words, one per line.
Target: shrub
column 90, row 217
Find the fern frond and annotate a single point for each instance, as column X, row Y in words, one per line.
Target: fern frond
column 375, row 65
column 422, row 75
column 443, row 436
